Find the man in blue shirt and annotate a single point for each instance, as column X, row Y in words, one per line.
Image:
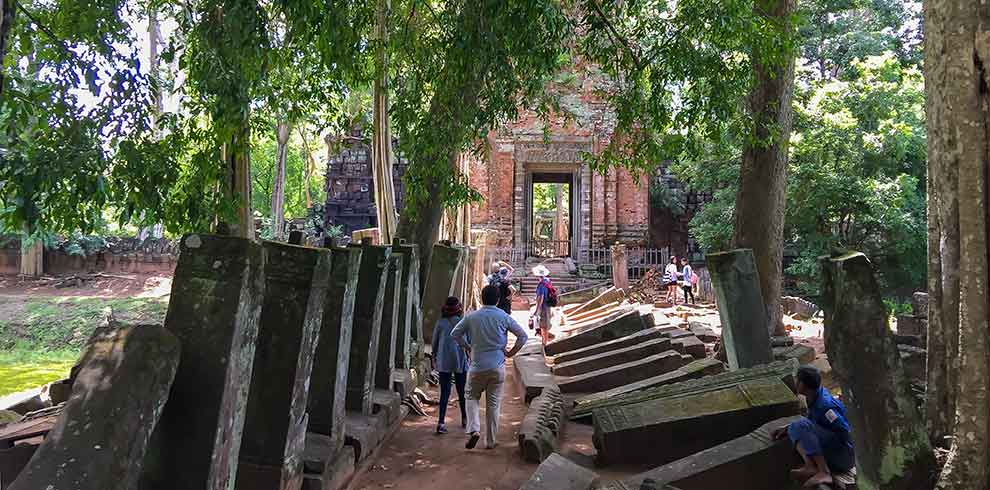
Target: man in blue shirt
column 823, row 437
column 487, row 330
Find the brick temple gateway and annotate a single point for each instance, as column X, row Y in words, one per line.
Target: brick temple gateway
column 601, row 208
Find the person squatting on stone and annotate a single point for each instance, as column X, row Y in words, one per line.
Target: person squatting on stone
column 823, row 438
column 501, row 277
column 687, row 280
column 486, row 331
column 450, row 360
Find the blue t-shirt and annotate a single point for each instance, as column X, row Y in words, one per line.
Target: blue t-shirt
column 542, row 291
column 487, row 331
column 830, row 413
column 449, row 356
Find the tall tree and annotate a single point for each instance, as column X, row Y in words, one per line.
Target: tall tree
column 496, row 55
column 278, row 187
column 759, row 211
column 957, row 51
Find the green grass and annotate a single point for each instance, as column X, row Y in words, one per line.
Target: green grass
column 22, row 369
column 41, row 338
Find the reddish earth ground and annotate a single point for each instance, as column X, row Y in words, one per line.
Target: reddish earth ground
column 115, row 285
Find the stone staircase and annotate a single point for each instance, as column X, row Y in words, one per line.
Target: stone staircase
column 562, row 279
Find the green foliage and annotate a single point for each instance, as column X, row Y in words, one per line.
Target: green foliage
column 263, row 153
column 22, row 368
column 463, row 68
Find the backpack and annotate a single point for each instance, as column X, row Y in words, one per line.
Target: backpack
column 694, row 279
column 551, row 299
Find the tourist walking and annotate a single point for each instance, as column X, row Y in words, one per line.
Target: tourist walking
column 484, row 334
column 450, row 360
column 670, row 280
column 546, row 298
column 501, row 278
column 687, row 280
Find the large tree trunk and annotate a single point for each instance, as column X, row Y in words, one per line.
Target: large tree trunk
column 892, row 447
column 32, row 255
column 381, row 147
column 236, row 155
column 8, row 9
column 759, row 212
column 957, row 48
column 278, row 187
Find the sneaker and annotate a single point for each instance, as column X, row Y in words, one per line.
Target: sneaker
column 442, row 429
column 473, row 440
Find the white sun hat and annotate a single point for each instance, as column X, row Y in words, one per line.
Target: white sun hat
column 541, row 271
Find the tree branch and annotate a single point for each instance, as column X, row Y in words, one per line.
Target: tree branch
column 614, row 33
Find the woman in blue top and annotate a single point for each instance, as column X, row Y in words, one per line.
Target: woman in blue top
column 450, row 360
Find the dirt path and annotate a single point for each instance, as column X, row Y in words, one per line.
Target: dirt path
column 417, row 458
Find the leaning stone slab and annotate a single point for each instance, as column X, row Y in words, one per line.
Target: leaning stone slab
column 805, row 354
column 783, row 370
column 328, row 382
column 99, row 441
column 755, row 458
column 445, row 266
column 559, row 473
column 696, row 369
column 628, row 322
column 366, row 328
column 663, row 430
column 214, row 310
column 611, row 358
column 388, row 337
column 581, row 296
column 619, row 343
column 296, row 281
column 630, row 372
column 745, row 335
column 408, row 328
column 534, row 374
column 540, row 427
column 610, row 295
column 601, row 311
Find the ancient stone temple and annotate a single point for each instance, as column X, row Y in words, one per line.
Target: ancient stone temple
column 602, row 208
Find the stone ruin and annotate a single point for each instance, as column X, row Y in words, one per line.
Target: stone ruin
column 277, row 367
column 655, row 396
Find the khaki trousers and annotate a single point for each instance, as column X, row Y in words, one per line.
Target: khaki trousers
column 490, row 382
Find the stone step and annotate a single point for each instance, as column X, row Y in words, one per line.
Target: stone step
column 755, row 458
column 664, row 430
column 630, row 372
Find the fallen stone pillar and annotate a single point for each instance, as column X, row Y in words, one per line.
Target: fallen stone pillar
column 445, row 266
column 745, row 333
column 696, row 369
column 610, row 295
column 214, row 311
column 805, row 354
column 689, row 344
column 611, row 358
column 611, row 345
column 625, row 322
column 328, row 382
column 541, row 426
column 100, row 439
column 272, row 444
column 784, row 371
column 886, row 422
column 667, row 429
column 756, row 459
column 388, row 336
column 559, row 473
column 534, row 374
column 630, row 372
column 366, row 327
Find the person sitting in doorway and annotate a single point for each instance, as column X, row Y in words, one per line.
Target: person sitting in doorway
column 486, row 331
column 670, row 280
column 450, row 360
column 545, row 299
column 687, row 280
column 823, row 438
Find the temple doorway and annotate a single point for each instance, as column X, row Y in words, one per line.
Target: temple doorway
column 552, row 205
